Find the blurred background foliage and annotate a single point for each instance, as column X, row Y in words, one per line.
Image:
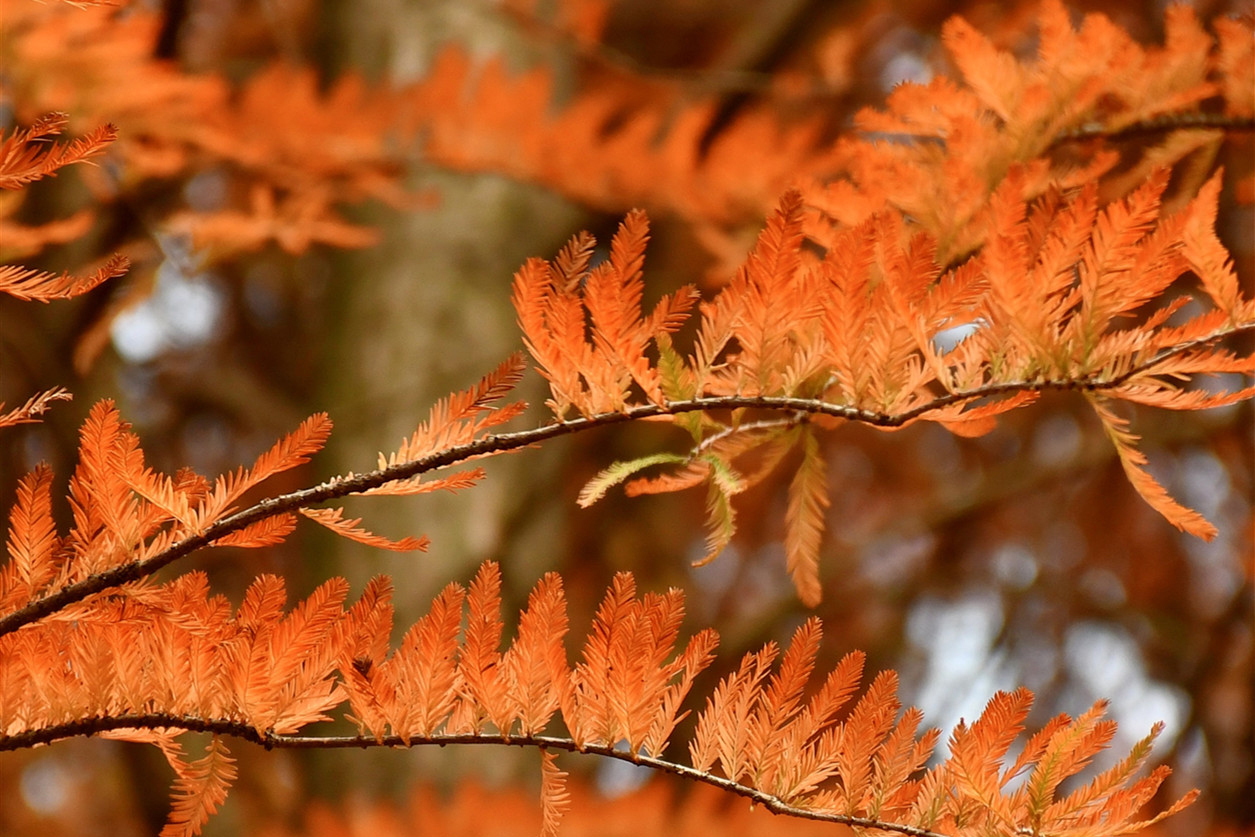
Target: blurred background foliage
column 380, row 283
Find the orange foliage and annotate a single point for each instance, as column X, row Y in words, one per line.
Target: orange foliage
column 653, row 809
column 263, row 675
column 290, row 153
column 26, row 156
column 936, row 154
column 861, row 334
column 948, row 262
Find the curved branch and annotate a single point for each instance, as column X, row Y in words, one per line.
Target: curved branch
column 271, row 741
column 1097, row 130
column 496, row 444
column 1158, row 125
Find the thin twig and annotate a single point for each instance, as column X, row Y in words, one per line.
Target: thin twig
column 494, row 445
column 1158, row 125
column 271, row 741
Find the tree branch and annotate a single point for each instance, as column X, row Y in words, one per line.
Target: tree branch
column 271, row 741
column 496, row 444
column 1158, row 125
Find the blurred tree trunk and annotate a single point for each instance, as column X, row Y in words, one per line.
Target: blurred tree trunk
column 424, row 314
